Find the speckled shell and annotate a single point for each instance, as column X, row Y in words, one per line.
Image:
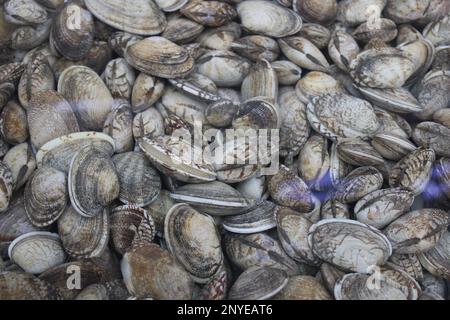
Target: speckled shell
column 17, row 285
column 409, row 263
column 146, row 91
column 6, row 181
column 304, row 53
column 119, row 126
column 261, row 81
column 303, row 287
column 433, row 136
column 6, row 91
column 391, row 146
column 22, row 163
column 314, row 160
column 119, row 78
column 11, row 72
column 343, row 49
column 24, row 12
column 209, row 13
column 357, row 152
column 398, row 100
column 257, row 48
column 437, row 259
column 322, row 12
column 332, row 208
column 288, row 73
column 257, row 113
column 14, row 123
column 315, row 84
column 354, row 12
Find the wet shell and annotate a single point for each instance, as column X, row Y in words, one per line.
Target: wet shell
column 391, row 146
column 438, row 32
column 181, row 30
column 146, row 91
column 332, row 208
column 140, row 183
column 261, row 81
column 93, row 181
column 409, row 263
column 338, row 168
column 22, row 163
column 119, row 41
column 318, row 34
column 148, row 124
column 150, row 271
column 381, row 207
column 349, row 245
column 159, row 57
column 142, row 18
column 36, row 252
column 24, row 12
column 128, row 224
column 383, row 29
column 17, row 285
column 255, row 219
column 219, row 38
column 257, row 113
column 422, row 52
column 413, row 171
column 198, row 86
column 317, row 83
column 186, row 107
column 437, row 260
column 221, row 113
column 6, row 183
column 288, row 73
column 119, row 78
column 83, row 237
column 194, row 240
column 289, row 190
column 88, row 96
column 258, row 283
column 267, row 18
column 119, row 126
column 342, row 116
column 303, row 288
column 417, row 231
column 209, row 13
column 358, row 184
column 11, row 72
column 257, row 48
column 433, row 136
column 322, row 12
column 45, row 196
column 14, row 123
column 343, row 49
column 357, row 152
column 314, row 160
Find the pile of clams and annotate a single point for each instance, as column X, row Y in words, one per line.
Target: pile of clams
column 114, row 165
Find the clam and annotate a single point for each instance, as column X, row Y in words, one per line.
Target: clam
column 159, row 57
column 36, row 252
column 315, row 84
column 158, row 209
column 303, row 287
column 83, row 237
column 87, row 94
column 146, row 91
column 93, row 181
column 6, row 91
column 253, row 188
column 257, row 48
column 257, row 113
column 441, row 58
column 409, row 263
column 186, row 107
column 215, row 198
column 417, row 231
column 194, row 240
column 148, row 124
column 93, row 292
column 268, row 18
column 357, row 152
column 422, row 52
column 356, row 12
column 437, row 260
column 314, row 160
column 381, row 207
column 258, row 283
column 438, row 32
column 288, row 73
column 170, row 5
column 119, row 126
column 142, row 18
column 73, row 39
column 257, row 218
column 322, row 12
column 198, row 86
column 209, row 13
column 434, row 136
column 24, row 12
column 443, row 117
column 383, row 29
column 14, row 123
column 181, row 30
column 11, row 72
column 22, row 163
column 338, row 168
column 150, row 271
column 6, row 180
column 220, row 38
column 261, row 81
column 221, row 113
column 139, row 182
column 217, row 288
column 349, row 245
column 343, row 49
column 119, row 41
column 45, row 196
column 18, row 285
column 128, row 224
column 318, row 34
column 333, row 208
column 119, row 78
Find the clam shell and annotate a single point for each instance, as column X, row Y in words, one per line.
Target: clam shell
column 255, row 219
column 422, row 52
column 220, row 38
column 140, row 183
column 438, row 32
column 221, row 113
column 318, row 34
column 409, row 263
column 357, row 152
column 148, row 124
column 314, row 161
column 187, row 108
column 11, row 72
column 198, row 86
column 93, row 181
column 84, row 237
column 146, row 91
column 119, row 78
column 45, row 196
column 209, row 13
column 36, row 252
column 6, row 181
column 142, row 17
column 17, row 285
column 433, row 136
column 303, row 287
column 258, row 283
column 14, row 123
column 170, row 5
column 383, row 29
column 316, row 83
column 322, row 12
column 24, row 12
column 398, row 100
column 93, row 292
column 288, row 73
column 261, row 81
column 391, row 146
column 332, row 208
column 237, row 175
column 6, row 91
column 343, row 49
column 338, row 168
column 119, row 41
column 257, row 48
column 437, row 259
column 354, row 246
column 353, row 13
column 329, row 275
column 119, row 126
column 257, row 113
column 194, row 240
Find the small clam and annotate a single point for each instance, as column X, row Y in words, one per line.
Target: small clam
column 288, row 73
column 437, row 260
column 315, row 84
column 24, row 12
column 6, row 91
column 318, row 34
column 182, row 105
column 148, row 123
column 314, row 160
column 11, row 72
column 221, row 113
column 119, row 126
column 383, row 29
column 119, row 41
column 255, row 219
column 422, row 52
column 181, row 30
column 6, row 181
column 197, row 86
column 322, row 12
column 434, row 136
column 409, row 263
column 170, row 5
column 220, row 38
column 257, row 113
column 209, row 13
column 343, row 49
column 438, row 32
column 146, row 91
column 14, row 123
column 261, row 81
column 303, row 287
column 356, row 12
column 22, row 163
column 257, row 48
column 357, row 152
column 332, row 208
column 36, row 252
column 119, row 78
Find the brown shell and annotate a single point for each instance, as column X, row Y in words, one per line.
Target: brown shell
column 303, row 288
column 209, row 13
column 14, row 123
column 16, row 285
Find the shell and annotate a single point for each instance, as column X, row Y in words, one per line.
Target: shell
column 433, row 136
column 11, row 72
column 255, row 219
column 357, row 152
column 209, row 13
column 36, row 252
column 332, row 208
column 257, row 48
column 140, row 183
column 148, row 124
column 261, row 81
column 438, row 32
column 14, row 123
column 6, row 91
column 398, row 100
column 24, row 12
column 322, row 12
column 409, row 263
column 22, row 163
column 119, row 126
column 437, row 259
column 219, row 38
column 83, row 237
column 142, row 18
column 303, row 287
column 17, row 285
column 383, row 29
column 181, row 30
column 119, row 78
column 46, row 196
column 317, row 83
column 170, row 5
column 221, row 113
column 391, row 146
column 146, row 91
column 314, row 161
column 343, row 49
column 93, row 181
column 318, row 34
column 338, row 168
column 257, row 113
column 354, row 246
column 119, row 41
column 288, row 73
column 422, row 52
column 197, row 86
column 355, row 12
column 6, row 182
column 189, row 109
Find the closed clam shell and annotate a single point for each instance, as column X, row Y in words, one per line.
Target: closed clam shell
column 129, row 223
column 333, row 208
column 119, row 126
column 384, row 68
column 434, row 136
column 441, row 168
column 383, row 29
column 11, row 72
column 215, row 198
column 18, row 285
column 392, row 146
column 304, row 53
column 119, row 78
column 7, row 183
column 442, row 56
column 258, row 283
column 322, row 12
column 343, row 49
column 148, row 124
column 258, row 218
column 93, row 181
column 6, row 91
column 220, row 38
column 170, row 5
column 36, row 252
column 119, row 41
column 438, row 32
column 329, row 275
column 49, row 117
column 357, row 152
column 293, row 230
column 437, row 260
column 194, row 240
column 181, row 30
column 289, row 190
column 257, row 113
column 355, row 246
column 434, row 284
column 139, row 182
column 237, row 175
column 316, row 83
column 288, row 73
column 381, row 207
column 314, row 160
column 225, row 68
column 318, row 34
column 303, row 287
column 355, row 12
column 261, row 81
column 358, row 184
column 338, row 168
column 422, row 52
column 142, row 17
column 14, row 123
column 294, row 129
column 268, row 18
column 24, row 12
column 83, row 237
column 209, row 13
column 150, row 271
column 22, row 163
column 158, row 209
column 87, row 94
column 146, row 91
column 417, row 231
column 159, row 57
column 166, row 155
column 398, row 100
column 197, row 86
column 45, row 196
column 218, row 287
column 221, row 113
column 413, row 171
column 409, row 263
column 257, row 48
column 58, row 153
column 72, row 40
column 260, row 250
column 184, row 106
column 326, row 116
column 443, row 117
